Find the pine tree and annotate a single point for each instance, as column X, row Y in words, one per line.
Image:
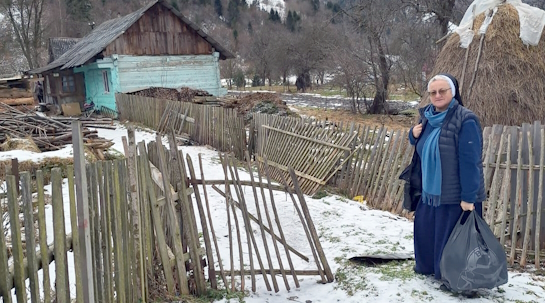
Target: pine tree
column 233, row 11
column 218, row 7
column 315, row 5
column 78, row 9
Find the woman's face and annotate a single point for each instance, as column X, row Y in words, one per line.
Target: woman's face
column 440, row 94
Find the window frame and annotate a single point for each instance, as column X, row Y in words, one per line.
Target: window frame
column 68, row 84
column 106, row 81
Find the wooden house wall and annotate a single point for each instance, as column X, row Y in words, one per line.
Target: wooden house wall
column 159, row 32
column 55, row 94
column 197, row 72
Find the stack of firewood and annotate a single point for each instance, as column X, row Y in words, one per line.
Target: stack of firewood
column 51, row 133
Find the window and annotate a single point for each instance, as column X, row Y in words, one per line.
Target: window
column 68, row 84
column 106, row 82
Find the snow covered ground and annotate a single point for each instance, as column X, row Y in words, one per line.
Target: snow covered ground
column 346, row 229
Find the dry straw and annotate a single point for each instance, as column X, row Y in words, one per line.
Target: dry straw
column 509, row 85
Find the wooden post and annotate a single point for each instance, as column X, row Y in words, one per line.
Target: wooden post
column 86, row 262
column 6, row 280
column 75, row 235
column 15, row 172
column 30, row 237
column 43, row 236
column 17, row 246
column 62, row 286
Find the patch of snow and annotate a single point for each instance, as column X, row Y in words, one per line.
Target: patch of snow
column 346, row 229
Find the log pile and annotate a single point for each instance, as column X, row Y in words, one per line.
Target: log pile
column 52, row 133
column 15, row 92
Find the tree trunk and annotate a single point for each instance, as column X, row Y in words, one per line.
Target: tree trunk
column 379, row 101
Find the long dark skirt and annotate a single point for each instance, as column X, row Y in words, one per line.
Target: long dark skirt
column 432, row 228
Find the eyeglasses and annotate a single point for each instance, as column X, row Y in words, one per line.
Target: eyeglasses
column 441, row 92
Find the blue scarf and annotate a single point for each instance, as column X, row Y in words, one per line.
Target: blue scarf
column 431, row 158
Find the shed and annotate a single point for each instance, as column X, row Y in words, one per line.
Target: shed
column 155, row 46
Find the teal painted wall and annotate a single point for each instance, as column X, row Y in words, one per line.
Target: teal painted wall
column 94, row 83
column 197, row 72
column 132, row 73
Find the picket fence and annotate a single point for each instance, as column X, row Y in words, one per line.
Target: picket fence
column 374, row 156
column 216, row 126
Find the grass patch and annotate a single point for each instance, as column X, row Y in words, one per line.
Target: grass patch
column 320, row 194
column 211, row 296
column 351, row 279
column 402, row 270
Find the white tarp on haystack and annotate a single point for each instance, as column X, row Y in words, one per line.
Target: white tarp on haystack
column 532, row 20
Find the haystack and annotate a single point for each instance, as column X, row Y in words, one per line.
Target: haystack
column 509, row 85
column 19, row 144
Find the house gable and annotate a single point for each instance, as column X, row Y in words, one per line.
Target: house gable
column 159, row 32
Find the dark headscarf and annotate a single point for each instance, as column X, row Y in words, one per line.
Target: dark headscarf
column 457, row 95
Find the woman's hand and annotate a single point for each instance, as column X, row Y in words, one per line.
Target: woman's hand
column 417, row 130
column 467, row 206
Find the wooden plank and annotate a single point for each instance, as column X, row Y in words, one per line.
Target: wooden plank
column 537, row 240
column 98, row 270
column 46, row 285
column 128, row 259
column 220, row 263
column 31, row 260
column 493, row 193
column 277, row 272
column 506, row 192
column 530, row 202
column 312, row 229
column 16, row 241
column 75, row 233
column 173, row 220
column 526, row 131
column 104, row 177
column 229, row 230
column 229, row 199
column 86, row 262
column 118, row 246
column 6, row 281
column 157, row 222
column 62, row 286
column 518, row 204
column 204, row 225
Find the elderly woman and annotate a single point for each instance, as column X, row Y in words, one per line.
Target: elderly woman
column 448, row 141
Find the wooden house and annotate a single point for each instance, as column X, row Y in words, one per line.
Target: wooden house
column 155, row 46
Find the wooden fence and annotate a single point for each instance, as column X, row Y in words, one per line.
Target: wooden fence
column 216, row 126
column 365, row 161
column 126, row 238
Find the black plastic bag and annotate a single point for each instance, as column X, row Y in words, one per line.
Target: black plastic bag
column 473, row 258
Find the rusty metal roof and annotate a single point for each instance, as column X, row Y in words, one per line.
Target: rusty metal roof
column 104, row 34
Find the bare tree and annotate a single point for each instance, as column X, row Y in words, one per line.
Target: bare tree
column 25, row 17
column 375, row 19
column 311, row 50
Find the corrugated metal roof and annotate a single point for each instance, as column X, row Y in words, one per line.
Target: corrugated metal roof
column 60, row 45
column 104, row 34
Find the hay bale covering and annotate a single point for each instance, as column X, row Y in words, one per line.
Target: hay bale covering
column 19, row 144
column 509, row 87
